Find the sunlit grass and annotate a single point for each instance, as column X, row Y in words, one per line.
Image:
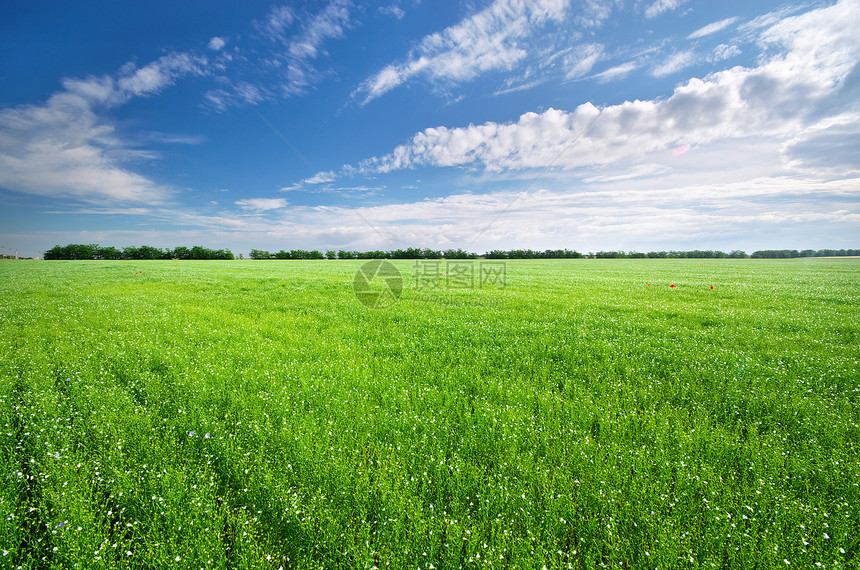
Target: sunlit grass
column 255, row 414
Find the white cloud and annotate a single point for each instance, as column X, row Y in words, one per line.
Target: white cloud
column 217, row 43
column 616, row 72
column 321, row 178
column 661, row 6
column 785, row 94
column 261, row 204
column 582, row 59
column 487, row 40
column 723, row 51
column 63, row 148
column 161, row 73
column 712, row 28
column 592, row 13
column 827, row 148
column 394, row 10
column 611, row 214
column 302, row 49
column 675, row 63
column 276, row 23
column 290, row 63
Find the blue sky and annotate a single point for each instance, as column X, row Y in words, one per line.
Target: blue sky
column 481, row 124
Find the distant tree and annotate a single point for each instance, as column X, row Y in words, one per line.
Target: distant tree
column 330, row 254
column 108, row 252
column 149, row 252
column 56, row 252
column 182, row 252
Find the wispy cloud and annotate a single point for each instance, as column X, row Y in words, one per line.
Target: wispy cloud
column 261, row 204
column 616, row 72
column 487, row 40
column 712, row 28
column 161, row 73
column 724, row 51
column 674, row 63
column 603, row 213
column 286, row 63
column 795, row 88
column 321, row 178
column 661, row 6
column 64, row 148
column 582, row 59
column 393, row 10
column 276, row 22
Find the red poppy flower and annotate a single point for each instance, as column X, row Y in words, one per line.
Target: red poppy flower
column 712, row 286
column 672, row 285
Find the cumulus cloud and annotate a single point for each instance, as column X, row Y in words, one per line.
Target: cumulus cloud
column 712, row 28
column 63, row 148
column 217, row 43
column 487, row 40
column 321, row 178
column 785, row 94
column 261, row 204
column 828, row 147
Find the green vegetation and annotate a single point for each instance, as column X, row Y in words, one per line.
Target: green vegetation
column 790, row 253
column 181, row 414
column 93, row 251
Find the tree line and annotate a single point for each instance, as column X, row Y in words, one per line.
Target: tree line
column 95, row 251
column 425, row 253
column 408, row 253
column 790, row 253
column 692, row 254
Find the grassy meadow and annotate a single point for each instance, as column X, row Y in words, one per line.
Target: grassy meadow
column 254, row 414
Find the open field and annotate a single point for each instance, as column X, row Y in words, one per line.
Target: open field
column 255, row 414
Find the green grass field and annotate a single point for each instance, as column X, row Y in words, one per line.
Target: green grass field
column 256, row 415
